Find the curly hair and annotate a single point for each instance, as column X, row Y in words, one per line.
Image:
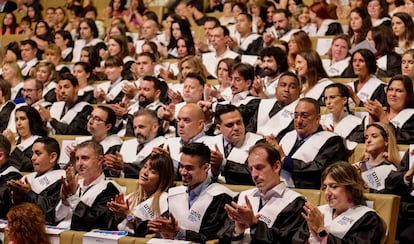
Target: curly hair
column 27, row 224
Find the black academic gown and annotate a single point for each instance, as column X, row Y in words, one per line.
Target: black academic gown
column 5, row 193
column 405, row 133
column 87, row 97
column 22, row 160
column 379, row 94
column 97, row 216
column 50, row 96
column 389, row 188
column 78, row 126
column 367, row 230
column 5, row 114
column 308, row 174
column 46, row 200
column 285, row 226
column 112, row 150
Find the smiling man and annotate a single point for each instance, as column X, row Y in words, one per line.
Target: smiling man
column 196, row 208
column 41, row 187
column 83, row 202
column 268, row 213
column 308, row 149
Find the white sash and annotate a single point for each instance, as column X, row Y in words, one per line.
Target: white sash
column 316, row 91
column 110, row 141
column 144, row 210
column 175, row 145
column 375, row 177
column 27, row 143
column 10, row 169
column 49, row 87
column 57, row 109
column 306, row 152
column 279, row 122
column 116, row 90
column 132, row 144
column 90, row 195
column 240, row 154
column 344, row 222
column 191, row 218
column 368, row 89
column 402, row 117
column 345, row 126
column 82, row 91
column 42, row 182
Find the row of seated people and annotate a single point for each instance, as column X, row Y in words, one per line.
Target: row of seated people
column 80, row 198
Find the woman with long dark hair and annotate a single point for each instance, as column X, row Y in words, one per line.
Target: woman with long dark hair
column 9, row 25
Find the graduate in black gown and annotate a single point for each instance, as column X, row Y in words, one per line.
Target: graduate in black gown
column 268, row 213
column 7, row 172
column 41, row 187
column 345, row 218
column 29, row 128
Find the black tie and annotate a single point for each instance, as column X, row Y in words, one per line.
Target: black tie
column 227, row 149
column 295, row 147
column 139, row 148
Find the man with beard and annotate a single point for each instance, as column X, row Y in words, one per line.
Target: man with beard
column 281, row 30
column 69, row 116
column 273, row 117
column 229, row 149
column 129, row 164
column 274, row 63
column 148, row 96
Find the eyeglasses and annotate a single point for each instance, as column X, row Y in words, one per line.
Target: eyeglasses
column 96, row 119
column 331, row 97
column 29, row 90
column 303, row 115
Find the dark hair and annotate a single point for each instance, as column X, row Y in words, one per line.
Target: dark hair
column 154, row 49
column 346, row 174
column 35, row 124
column 90, row 8
column 14, row 47
column 334, row 28
column 184, row 28
column 273, row 155
column 48, row 35
column 95, row 146
column 189, row 43
column 151, row 15
column 321, row 11
column 5, row 89
column 30, row 42
column 212, row 19
column 278, row 54
column 147, row 54
column 369, row 58
column 366, row 25
column 111, row 117
column 86, row 66
column 114, row 61
column 92, row 26
column 343, row 92
column 13, row 25
column 38, row 13
column 226, row 31
column 50, row 145
column 293, row 75
column 409, row 27
column 384, row 39
column 195, row 3
column 315, row 104
column 123, row 44
column 156, row 82
column 224, row 109
column 93, row 57
column 282, row 11
column 229, row 62
column 241, row 6
column 384, row 7
column 199, row 150
column 248, row 16
column 66, row 36
column 245, row 70
column 121, row 8
column 196, row 76
column 408, row 86
column 5, row 146
column 316, row 71
column 70, row 77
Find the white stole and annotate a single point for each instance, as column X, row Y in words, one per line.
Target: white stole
column 58, row 107
column 306, row 152
column 402, row 117
column 316, row 91
column 27, row 143
column 368, row 89
column 191, row 218
column 42, row 182
column 375, row 177
column 343, row 222
column 144, row 209
column 345, row 126
column 10, row 169
column 279, row 122
column 132, row 144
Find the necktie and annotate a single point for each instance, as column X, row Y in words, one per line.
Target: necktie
column 227, row 149
column 295, row 147
column 139, row 148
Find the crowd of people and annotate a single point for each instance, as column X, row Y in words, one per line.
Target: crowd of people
column 140, row 96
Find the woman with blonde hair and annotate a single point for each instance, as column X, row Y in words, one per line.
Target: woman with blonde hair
column 53, row 54
column 301, row 20
column 13, row 74
column 149, row 201
column 46, row 73
column 27, row 224
column 380, row 158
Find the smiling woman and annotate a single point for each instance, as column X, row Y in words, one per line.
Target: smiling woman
column 345, row 217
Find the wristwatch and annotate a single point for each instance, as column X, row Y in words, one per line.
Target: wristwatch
column 322, row 233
